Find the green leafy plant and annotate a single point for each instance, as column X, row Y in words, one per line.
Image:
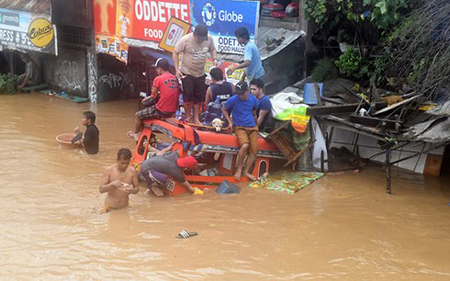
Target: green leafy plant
column 382, row 13
column 387, row 13
column 325, row 69
column 379, row 67
column 349, row 62
column 316, row 10
column 368, row 24
column 7, row 83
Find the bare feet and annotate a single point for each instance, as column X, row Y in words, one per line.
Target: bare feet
column 157, row 191
column 250, row 176
column 134, row 135
column 238, row 174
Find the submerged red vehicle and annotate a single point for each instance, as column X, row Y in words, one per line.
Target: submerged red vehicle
column 218, row 149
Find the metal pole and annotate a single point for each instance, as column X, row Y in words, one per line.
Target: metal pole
column 388, row 170
column 322, row 161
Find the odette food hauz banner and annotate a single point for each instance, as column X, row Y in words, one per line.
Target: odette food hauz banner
column 27, row 31
column 223, row 17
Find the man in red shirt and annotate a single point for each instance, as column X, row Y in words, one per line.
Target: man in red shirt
column 163, row 101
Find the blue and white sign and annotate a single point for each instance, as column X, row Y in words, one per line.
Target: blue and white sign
column 223, row 17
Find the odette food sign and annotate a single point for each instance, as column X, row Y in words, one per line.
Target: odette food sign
column 148, row 19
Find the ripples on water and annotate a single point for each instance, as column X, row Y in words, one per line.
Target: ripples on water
column 341, row 227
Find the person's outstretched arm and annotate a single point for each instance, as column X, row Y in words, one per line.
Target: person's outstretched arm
column 227, row 116
column 188, row 186
column 214, row 56
column 231, row 69
column 176, row 64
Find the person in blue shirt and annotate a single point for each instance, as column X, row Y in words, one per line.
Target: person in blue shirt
column 264, row 104
column 252, row 57
column 242, row 107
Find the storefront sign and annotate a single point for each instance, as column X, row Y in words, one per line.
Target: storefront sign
column 176, row 29
column 23, row 30
column 40, row 32
column 147, row 19
column 113, row 46
column 223, row 18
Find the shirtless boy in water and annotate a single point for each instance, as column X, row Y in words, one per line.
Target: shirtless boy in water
column 119, row 180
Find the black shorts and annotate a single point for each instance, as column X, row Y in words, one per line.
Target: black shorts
column 194, row 89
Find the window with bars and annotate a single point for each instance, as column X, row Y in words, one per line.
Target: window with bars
column 74, row 35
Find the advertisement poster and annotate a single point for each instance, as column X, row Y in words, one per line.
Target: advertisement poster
column 233, row 78
column 176, row 29
column 147, row 19
column 113, row 46
column 105, row 17
column 223, row 18
column 23, row 30
column 106, row 39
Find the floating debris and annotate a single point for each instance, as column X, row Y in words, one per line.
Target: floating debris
column 287, row 182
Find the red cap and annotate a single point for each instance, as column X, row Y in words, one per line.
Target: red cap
column 187, row 162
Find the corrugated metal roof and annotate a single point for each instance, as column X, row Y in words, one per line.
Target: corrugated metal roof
column 437, row 134
column 33, row 6
column 436, row 130
column 263, row 33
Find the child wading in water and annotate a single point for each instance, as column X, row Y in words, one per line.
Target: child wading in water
column 90, row 139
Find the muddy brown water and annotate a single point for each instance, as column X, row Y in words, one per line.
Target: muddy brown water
column 342, row 227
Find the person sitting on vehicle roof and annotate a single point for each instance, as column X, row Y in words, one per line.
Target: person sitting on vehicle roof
column 218, row 92
column 157, row 170
column 243, row 107
column 163, row 101
column 219, row 88
column 264, row 104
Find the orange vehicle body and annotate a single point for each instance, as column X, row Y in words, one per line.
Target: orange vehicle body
column 220, row 150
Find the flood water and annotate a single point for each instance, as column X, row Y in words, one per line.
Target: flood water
column 341, row 227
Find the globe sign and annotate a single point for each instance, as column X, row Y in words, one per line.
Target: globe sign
column 209, row 14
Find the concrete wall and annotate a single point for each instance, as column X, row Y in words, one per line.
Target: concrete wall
column 67, row 72
column 115, row 79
